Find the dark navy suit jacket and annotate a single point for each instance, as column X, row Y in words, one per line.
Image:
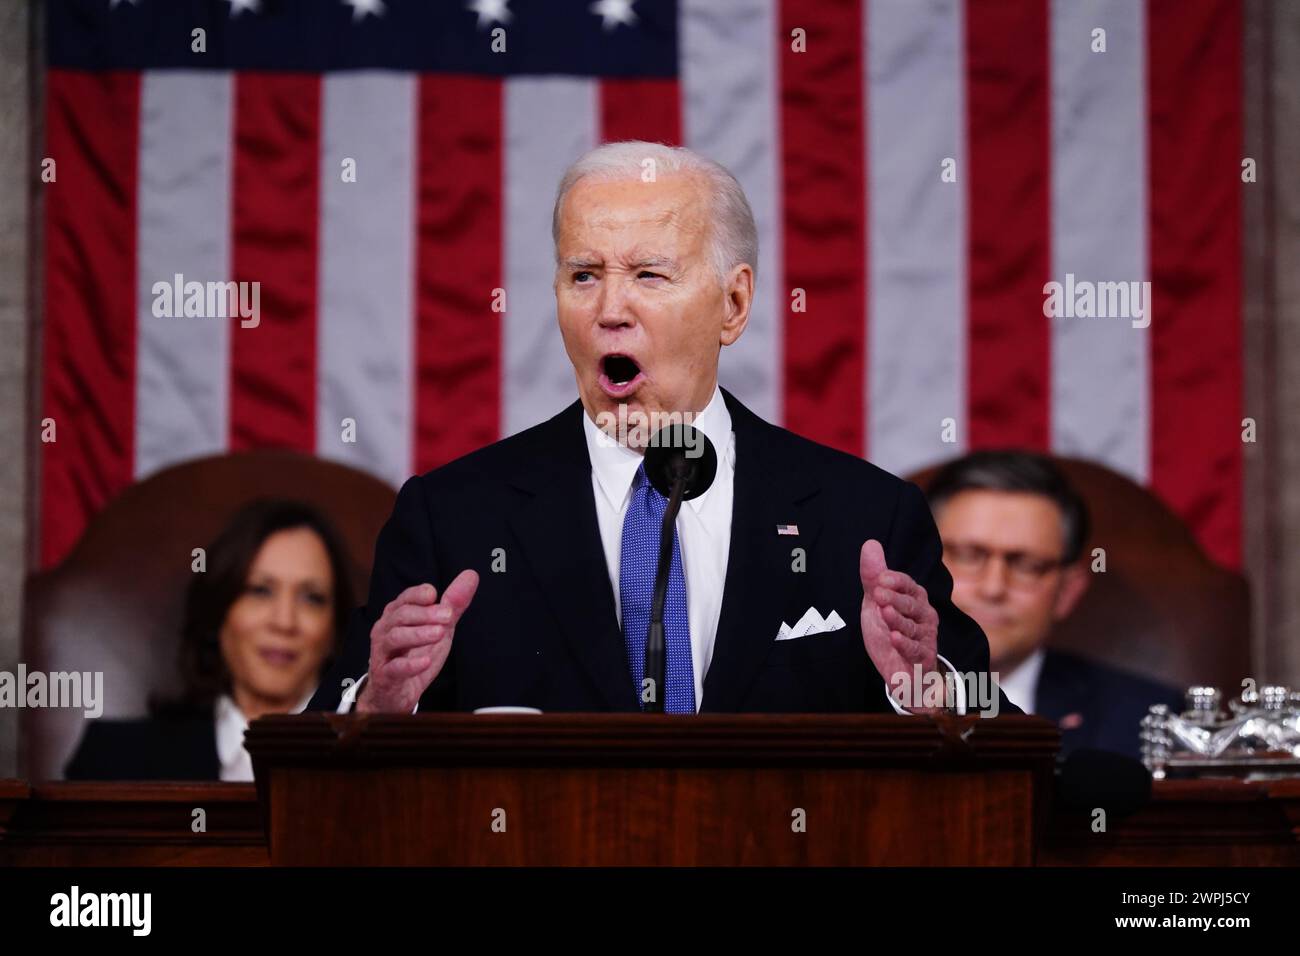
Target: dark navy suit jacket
column 1095, row 705
column 543, row 632
column 147, row 749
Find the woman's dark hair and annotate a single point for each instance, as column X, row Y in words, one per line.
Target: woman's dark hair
column 203, row 670
column 995, row 470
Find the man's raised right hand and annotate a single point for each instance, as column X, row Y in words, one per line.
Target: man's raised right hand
column 410, row 642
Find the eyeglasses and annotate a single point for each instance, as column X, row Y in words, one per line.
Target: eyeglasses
column 1023, row 569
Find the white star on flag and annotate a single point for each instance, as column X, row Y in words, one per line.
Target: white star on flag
column 614, row 12
column 490, row 11
column 237, row 6
column 362, row 7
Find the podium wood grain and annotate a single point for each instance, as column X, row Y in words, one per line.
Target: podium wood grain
column 652, row 790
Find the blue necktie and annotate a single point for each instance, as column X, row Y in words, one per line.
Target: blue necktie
column 636, row 573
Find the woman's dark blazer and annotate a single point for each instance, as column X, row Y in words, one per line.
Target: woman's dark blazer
column 152, row 748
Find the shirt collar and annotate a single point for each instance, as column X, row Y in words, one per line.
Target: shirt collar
column 615, row 465
column 231, row 724
column 1021, row 684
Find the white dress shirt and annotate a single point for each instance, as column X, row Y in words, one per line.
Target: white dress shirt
column 236, row 764
column 1021, row 684
column 703, row 534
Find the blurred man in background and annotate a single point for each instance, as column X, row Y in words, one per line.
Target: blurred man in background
column 1013, row 533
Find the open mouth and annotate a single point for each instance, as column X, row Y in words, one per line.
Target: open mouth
column 620, row 375
column 620, row 369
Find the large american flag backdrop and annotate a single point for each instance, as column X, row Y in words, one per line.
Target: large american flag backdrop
column 924, row 297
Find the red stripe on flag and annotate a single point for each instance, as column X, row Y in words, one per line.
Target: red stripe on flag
column 459, row 271
column 641, row 109
column 1009, row 190
column 1194, row 102
column 92, row 123
column 275, row 219
column 824, row 209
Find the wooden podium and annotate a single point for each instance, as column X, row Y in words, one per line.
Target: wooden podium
column 652, row 790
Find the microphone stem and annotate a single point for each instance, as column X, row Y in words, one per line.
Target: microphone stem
column 656, row 657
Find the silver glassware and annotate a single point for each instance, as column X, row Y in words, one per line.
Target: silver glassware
column 1258, row 734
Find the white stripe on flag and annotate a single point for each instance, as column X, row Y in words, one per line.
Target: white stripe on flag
column 730, row 113
column 365, row 337
column 1100, row 382
column 916, row 250
column 549, row 122
column 182, row 364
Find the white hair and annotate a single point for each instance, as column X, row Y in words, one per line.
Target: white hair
column 733, row 238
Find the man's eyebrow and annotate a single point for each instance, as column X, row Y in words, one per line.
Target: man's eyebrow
column 645, row 262
column 655, row 262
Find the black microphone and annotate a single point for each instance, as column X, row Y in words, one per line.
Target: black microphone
column 680, row 463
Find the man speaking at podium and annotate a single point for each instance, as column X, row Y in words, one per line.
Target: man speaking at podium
column 802, row 580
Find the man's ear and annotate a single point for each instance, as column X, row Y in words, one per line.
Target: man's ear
column 1075, row 579
column 739, row 296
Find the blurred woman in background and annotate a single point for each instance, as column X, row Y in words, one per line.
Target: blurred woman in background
column 261, row 627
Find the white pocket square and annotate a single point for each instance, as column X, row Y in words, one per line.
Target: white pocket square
column 811, row 623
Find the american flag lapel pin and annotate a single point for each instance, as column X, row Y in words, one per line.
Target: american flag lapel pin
column 787, row 529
